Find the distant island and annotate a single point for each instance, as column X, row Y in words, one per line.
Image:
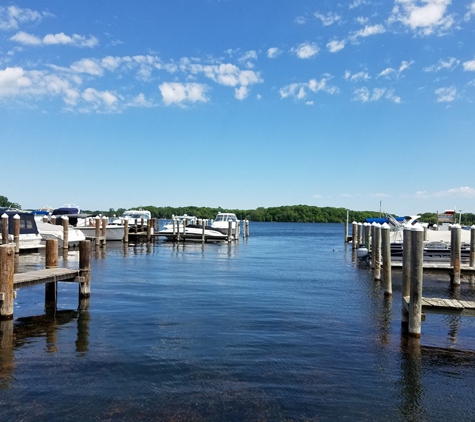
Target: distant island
column 284, row 213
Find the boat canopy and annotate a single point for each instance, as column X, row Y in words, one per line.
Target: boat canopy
column 27, row 222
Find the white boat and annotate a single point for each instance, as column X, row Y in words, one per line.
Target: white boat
column 221, row 222
column 133, row 217
column 187, row 227
column 54, row 231
column 114, row 232
column 30, row 238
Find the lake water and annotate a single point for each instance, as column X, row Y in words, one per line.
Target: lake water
column 282, row 326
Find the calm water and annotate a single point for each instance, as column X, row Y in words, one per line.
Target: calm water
column 282, row 326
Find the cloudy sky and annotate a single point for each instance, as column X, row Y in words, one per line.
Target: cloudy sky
column 238, row 103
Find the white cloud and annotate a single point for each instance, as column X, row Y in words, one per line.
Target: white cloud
column 300, row 91
column 430, row 17
column 300, row 20
column 140, row 101
column 469, row 66
column 446, row 94
column 461, row 192
column 365, row 95
column 26, row 39
column 369, row 30
column 88, row 66
column 471, row 12
column 11, row 17
column 178, row 93
column 273, row 52
column 449, row 64
column 391, row 71
column 99, row 98
column 306, row 50
column 241, row 93
column 54, row 39
column 335, row 46
column 356, row 77
column 328, row 19
column 357, row 3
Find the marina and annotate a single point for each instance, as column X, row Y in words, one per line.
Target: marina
column 260, row 329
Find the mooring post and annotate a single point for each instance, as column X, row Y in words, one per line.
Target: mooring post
column 104, row 228
column 126, row 231
column 7, row 270
column 472, row 246
column 51, row 261
column 346, row 226
column 354, row 235
column 53, row 220
column 406, row 273
column 84, row 269
column 149, row 230
column 16, row 232
column 360, row 233
column 4, row 229
column 97, row 231
column 247, row 228
column 377, row 252
column 65, row 224
column 230, row 230
column 456, row 253
column 386, row 252
column 417, row 274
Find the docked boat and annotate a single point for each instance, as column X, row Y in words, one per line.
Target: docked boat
column 221, row 222
column 75, row 214
column 133, row 217
column 30, row 238
column 114, row 232
column 185, row 227
column 53, row 231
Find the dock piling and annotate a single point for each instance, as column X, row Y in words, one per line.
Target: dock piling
column 16, row 232
column 415, row 296
column 65, row 224
column 51, row 261
column 386, row 253
column 85, row 269
column 7, row 270
column 4, row 229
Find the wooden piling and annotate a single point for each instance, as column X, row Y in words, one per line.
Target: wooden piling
column 472, row 246
column 230, row 230
column 346, row 226
column 455, row 253
column 4, row 229
column 203, row 227
column 126, row 231
column 104, row 227
column 406, row 273
column 377, row 252
column 354, row 235
column 7, row 270
column 386, row 254
column 16, row 232
column 97, row 231
column 65, row 224
column 415, row 296
column 85, row 269
column 51, row 261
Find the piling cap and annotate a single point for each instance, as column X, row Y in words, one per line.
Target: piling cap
column 472, row 227
column 385, row 226
column 16, row 217
column 417, row 228
column 456, row 226
column 407, row 227
column 4, row 215
column 64, row 217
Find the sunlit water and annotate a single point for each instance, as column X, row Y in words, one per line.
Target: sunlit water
column 281, row 326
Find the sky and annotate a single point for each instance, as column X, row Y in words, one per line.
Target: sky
column 239, row 104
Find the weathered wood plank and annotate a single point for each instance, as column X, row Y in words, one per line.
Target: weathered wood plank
column 32, row 278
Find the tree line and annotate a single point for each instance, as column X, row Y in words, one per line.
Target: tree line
column 285, row 213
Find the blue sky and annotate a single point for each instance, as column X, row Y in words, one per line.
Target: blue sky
column 238, row 104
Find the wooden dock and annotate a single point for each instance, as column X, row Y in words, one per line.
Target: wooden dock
column 10, row 282
column 436, row 305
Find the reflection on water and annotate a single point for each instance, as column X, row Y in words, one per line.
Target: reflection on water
column 282, row 326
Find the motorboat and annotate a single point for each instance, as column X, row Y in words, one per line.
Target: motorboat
column 75, row 214
column 221, row 222
column 133, row 217
column 53, row 231
column 180, row 221
column 30, row 238
column 114, row 232
column 192, row 232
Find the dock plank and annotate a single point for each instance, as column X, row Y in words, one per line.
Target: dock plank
column 32, row 278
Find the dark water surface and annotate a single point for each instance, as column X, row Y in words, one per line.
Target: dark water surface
column 281, row 326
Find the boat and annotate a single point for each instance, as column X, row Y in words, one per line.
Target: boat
column 30, row 238
column 75, row 214
column 221, row 222
column 186, row 227
column 54, row 231
column 133, row 217
column 114, row 232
